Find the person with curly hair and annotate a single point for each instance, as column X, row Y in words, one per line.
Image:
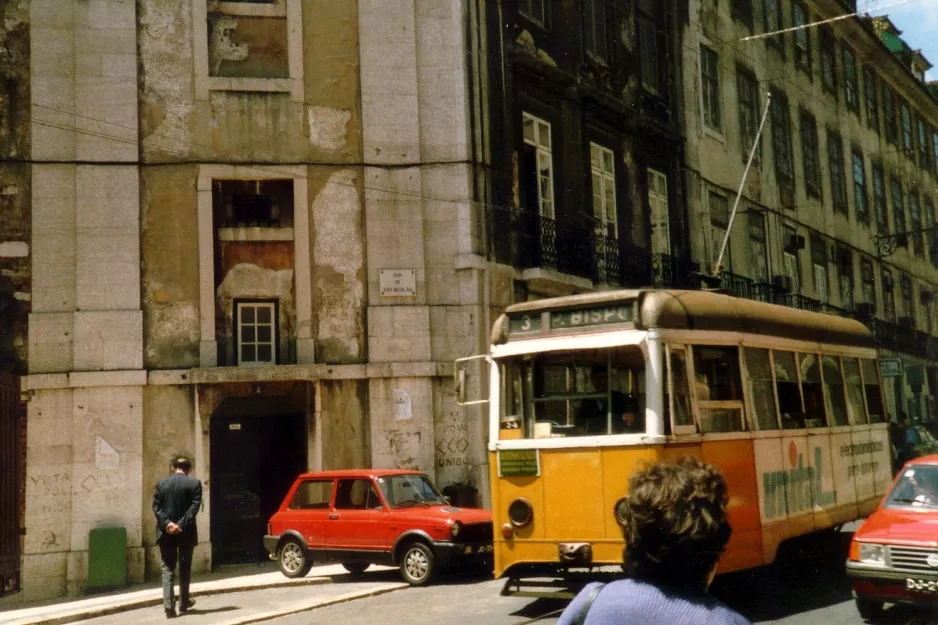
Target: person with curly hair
column 675, row 532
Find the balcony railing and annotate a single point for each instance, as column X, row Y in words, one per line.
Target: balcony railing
column 541, row 242
column 890, row 336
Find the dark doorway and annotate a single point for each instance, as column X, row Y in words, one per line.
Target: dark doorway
column 258, row 447
column 12, row 476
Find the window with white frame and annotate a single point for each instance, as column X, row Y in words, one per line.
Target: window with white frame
column 603, row 168
column 802, row 37
column 248, row 46
column 773, row 22
column 758, row 247
column 595, row 29
column 538, row 166
column 719, row 221
column 790, row 259
column 710, row 89
column 256, row 324
column 889, row 297
column 819, row 266
column 658, row 206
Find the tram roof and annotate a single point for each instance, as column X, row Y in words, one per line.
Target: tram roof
column 714, row 311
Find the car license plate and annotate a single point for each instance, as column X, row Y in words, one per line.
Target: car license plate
column 921, row 585
column 484, row 549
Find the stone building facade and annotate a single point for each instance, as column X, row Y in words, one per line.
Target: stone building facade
column 260, row 232
column 582, row 138
column 835, row 209
column 241, row 231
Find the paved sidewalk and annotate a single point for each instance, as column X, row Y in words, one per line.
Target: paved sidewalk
column 69, row 610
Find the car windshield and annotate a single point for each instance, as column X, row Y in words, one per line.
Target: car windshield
column 917, row 487
column 401, row 491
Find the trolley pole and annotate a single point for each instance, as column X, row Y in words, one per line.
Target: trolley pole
column 718, row 267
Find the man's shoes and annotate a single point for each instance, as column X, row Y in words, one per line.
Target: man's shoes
column 185, row 608
column 170, row 613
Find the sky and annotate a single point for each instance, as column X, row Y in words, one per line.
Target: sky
column 918, row 21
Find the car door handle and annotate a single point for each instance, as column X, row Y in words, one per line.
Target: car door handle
column 333, row 517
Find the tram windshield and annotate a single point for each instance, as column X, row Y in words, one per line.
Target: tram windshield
column 584, row 392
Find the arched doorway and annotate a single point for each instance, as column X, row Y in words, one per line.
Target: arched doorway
column 257, row 448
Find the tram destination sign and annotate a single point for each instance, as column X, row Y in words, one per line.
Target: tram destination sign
column 571, row 319
column 514, row 462
column 585, row 317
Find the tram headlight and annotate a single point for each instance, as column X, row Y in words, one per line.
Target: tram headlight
column 871, row 553
column 520, row 512
column 507, row 531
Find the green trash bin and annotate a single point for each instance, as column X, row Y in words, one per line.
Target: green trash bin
column 107, row 559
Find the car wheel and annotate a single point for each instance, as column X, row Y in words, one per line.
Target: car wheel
column 355, row 568
column 417, row 564
column 869, row 608
column 293, row 560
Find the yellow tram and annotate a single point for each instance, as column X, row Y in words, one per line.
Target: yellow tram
column 788, row 403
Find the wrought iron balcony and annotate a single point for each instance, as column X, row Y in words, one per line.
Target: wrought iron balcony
column 542, row 244
column 526, row 239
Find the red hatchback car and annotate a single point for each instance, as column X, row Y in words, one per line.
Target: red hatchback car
column 363, row 517
column 894, row 554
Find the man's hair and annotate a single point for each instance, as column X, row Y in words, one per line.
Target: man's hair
column 675, row 523
column 181, row 462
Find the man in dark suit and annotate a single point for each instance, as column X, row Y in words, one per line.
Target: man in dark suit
column 176, row 501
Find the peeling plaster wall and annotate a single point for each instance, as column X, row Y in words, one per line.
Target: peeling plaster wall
column 402, row 433
column 255, row 126
column 167, row 108
column 345, row 431
column 84, row 467
column 338, row 265
column 170, row 268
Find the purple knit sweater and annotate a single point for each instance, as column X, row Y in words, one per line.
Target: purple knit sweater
column 633, row 602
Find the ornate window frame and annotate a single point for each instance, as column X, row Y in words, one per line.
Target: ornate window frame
column 205, row 84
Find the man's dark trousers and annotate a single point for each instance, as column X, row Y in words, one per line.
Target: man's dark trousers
column 172, row 551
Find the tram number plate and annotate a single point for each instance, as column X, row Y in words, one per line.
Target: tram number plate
column 921, row 585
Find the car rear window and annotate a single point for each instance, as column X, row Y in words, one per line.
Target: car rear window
column 312, row 494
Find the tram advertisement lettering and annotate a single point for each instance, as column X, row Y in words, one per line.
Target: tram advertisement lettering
column 591, row 317
column 796, row 489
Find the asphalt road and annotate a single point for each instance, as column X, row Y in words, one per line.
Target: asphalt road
column 807, row 587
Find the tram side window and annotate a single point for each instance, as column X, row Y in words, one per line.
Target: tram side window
column 812, row 390
column 874, row 395
column 789, row 394
column 854, row 390
column 682, row 414
column 834, row 397
column 759, row 368
column 718, row 388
